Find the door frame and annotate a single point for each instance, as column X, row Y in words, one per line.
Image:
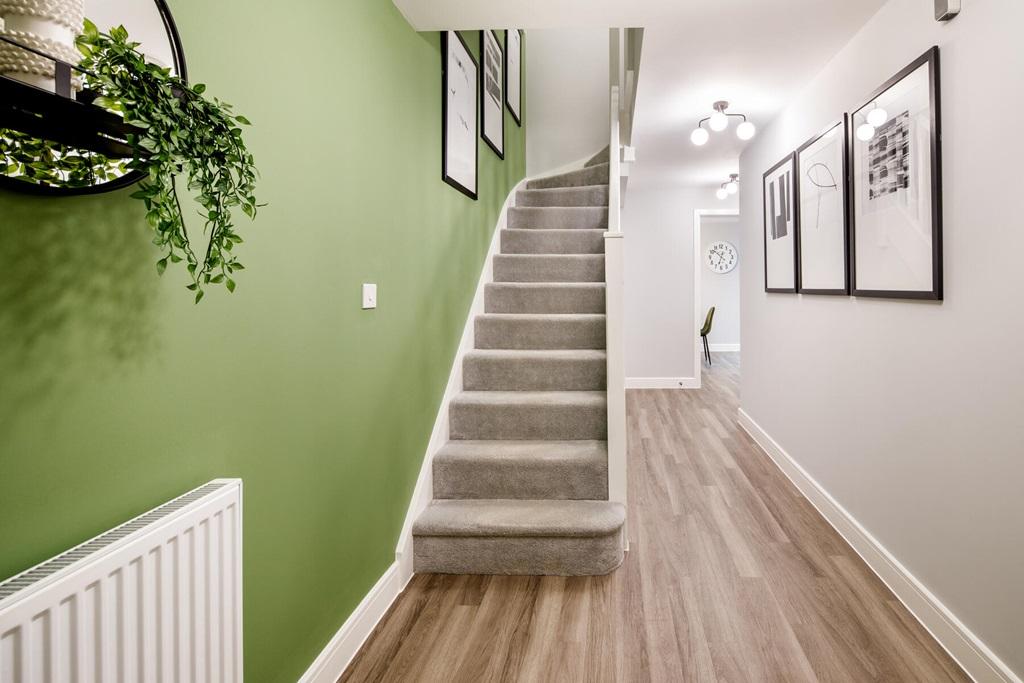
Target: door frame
column 698, row 264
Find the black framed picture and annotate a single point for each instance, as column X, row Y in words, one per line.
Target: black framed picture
column 823, row 216
column 896, row 187
column 514, row 73
column 492, row 92
column 459, row 118
column 780, row 216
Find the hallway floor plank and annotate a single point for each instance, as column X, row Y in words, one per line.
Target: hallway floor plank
column 731, row 576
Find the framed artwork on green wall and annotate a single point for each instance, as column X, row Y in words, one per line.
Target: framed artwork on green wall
column 492, row 95
column 459, row 121
column 514, row 73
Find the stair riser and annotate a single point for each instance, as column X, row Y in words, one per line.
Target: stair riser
column 596, row 195
column 558, row 218
column 552, row 241
column 548, row 268
column 553, row 422
column 533, row 374
column 521, row 480
column 592, row 175
column 556, row 556
column 510, row 333
column 505, row 298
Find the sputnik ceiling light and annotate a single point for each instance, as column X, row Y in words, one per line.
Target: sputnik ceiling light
column 874, row 120
column 732, row 186
column 718, row 122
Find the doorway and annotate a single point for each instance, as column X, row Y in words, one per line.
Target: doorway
column 716, row 246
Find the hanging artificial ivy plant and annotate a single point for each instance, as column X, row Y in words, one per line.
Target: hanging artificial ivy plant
column 183, row 134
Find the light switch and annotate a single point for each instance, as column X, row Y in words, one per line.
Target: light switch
column 369, row 295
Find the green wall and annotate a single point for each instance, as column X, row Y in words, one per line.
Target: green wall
column 117, row 393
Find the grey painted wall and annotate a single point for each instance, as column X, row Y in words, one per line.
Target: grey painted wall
column 909, row 414
column 721, row 290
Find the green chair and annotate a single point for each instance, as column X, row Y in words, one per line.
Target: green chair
column 705, row 331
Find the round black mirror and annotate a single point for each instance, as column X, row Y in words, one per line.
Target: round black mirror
column 43, row 106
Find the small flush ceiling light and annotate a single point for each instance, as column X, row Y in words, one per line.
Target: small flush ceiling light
column 865, row 132
column 732, row 186
column 718, row 122
column 877, row 116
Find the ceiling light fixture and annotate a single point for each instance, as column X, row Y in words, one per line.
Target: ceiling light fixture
column 731, row 186
column 719, row 121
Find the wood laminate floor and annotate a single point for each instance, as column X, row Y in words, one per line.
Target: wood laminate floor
column 731, row 576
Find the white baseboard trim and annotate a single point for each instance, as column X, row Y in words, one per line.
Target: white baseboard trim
column 961, row 643
column 343, row 647
column 663, row 383
column 720, row 348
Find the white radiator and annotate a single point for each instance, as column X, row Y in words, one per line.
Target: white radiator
column 157, row 599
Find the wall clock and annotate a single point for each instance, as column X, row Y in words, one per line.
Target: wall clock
column 721, row 257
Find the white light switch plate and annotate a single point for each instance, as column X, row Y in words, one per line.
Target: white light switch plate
column 369, row 295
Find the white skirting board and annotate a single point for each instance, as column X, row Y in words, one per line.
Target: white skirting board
column 663, row 383
column 343, row 647
column 960, row 642
column 724, row 348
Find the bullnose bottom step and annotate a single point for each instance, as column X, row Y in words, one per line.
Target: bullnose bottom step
column 528, row 537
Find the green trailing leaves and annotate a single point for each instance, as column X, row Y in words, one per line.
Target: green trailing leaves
column 185, row 143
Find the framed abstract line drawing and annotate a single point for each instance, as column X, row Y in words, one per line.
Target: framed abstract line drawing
column 514, row 74
column 823, row 212
column 780, row 216
column 896, row 187
column 459, row 121
column 492, row 92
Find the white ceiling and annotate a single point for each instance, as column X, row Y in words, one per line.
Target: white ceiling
column 755, row 53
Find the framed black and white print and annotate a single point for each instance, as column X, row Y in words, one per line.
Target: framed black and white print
column 896, row 187
column 823, row 212
column 492, row 98
column 514, row 74
column 459, row 120
column 780, row 217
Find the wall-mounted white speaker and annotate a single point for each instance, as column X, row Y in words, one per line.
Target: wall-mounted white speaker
column 946, row 9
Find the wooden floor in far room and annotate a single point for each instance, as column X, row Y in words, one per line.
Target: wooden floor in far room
column 731, row 576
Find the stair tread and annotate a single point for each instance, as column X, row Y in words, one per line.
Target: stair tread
column 538, row 354
column 555, row 451
column 548, row 285
column 531, row 398
column 583, row 317
column 520, row 518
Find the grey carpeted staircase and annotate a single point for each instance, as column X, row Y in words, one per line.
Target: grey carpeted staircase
column 522, row 487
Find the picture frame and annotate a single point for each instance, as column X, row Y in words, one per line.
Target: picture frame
column 514, row 74
column 492, row 92
column 896, row 186
column 780, row 229
column 823, row 212
column 460, row 120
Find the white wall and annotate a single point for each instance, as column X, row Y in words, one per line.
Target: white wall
column 566, row 96
column 661, row 334
column 721, row 290
column 909, row 413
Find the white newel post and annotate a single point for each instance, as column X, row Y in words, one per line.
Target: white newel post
column 613, row 255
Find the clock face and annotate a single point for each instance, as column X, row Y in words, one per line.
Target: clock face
column 721, row 256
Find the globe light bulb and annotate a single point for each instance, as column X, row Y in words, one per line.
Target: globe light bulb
column 745, row 130
column 722, row 193
column 732, row 187
column 699, row 137
column 718, row 122
column 877, row 116
column 865, row 132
